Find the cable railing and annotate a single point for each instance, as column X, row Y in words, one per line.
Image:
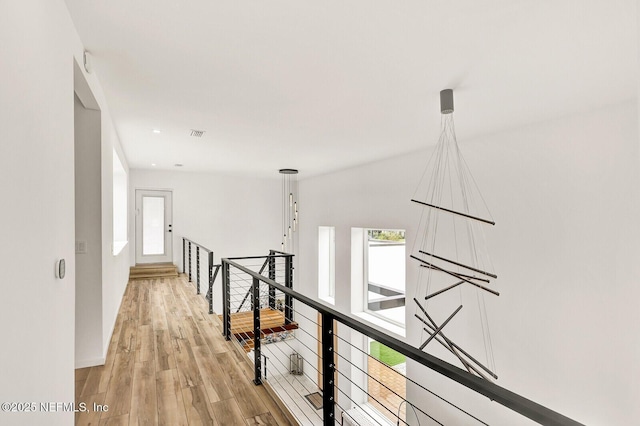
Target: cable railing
column 273, row 267
column 188, row 267
column 320, row 362
column 239, row 298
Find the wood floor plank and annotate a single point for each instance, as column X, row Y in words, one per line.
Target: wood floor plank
column 108, row 365
column 170, row 303
column 133, row 305
column 276, row 412
column 192, row 331
column 158, row 315
column 127, row 340
column 118, row 396
column 179, row 296
column 90, row 417
column 200, row 308
column 115, row 337
column 213, row 377
column 166, row 289
column 198, row 407
column 164, row 351
column 145, row 346
column 95, row 383
column 145, row 305
column 82, row 373
column 242, row 361
column 193, row 301
column 144, row 409
column 122, row 420
column 243, row 391
column 176, row 328
column 212, row 338
column 187, row 368
column 228, row 413
column 98, row 378
column 265, row 419
column 171, row 410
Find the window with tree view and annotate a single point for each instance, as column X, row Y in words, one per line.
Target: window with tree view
column 385, row 274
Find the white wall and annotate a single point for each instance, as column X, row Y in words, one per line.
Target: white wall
column 115, row 268
column 39, row 44
column 104, row 276
column 36, row 136
column 88, row 229
column 233, row 216
column 564, row 195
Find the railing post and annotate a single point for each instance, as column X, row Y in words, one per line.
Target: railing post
column 184, row 253
column 257, row 353
column 226, row 306
column 288, row 282
column 210, row 292
column 197, row 269
column 189, row 261
column 328, row 371
column 272, row 276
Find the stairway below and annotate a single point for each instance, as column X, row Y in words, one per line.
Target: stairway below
column 271, row 322
column 153, row 270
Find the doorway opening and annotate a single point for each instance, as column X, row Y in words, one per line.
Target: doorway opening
column 154, row 242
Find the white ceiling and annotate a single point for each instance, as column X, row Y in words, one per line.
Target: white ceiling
column 324, row 85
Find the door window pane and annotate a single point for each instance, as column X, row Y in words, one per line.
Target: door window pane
column 152, row 225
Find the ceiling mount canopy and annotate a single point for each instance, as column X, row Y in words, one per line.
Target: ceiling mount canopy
column 446, row 101
column 288, row 171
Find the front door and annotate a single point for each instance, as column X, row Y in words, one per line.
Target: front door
column 153, row 226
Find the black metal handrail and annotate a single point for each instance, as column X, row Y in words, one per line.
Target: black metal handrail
column 505, row 397
column 213, row 269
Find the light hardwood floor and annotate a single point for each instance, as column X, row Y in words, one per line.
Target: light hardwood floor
column 168, row 364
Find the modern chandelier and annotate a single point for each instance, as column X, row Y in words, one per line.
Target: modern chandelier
column 454, row 266
column 289, row 208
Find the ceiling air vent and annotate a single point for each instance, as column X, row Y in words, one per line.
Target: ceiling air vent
column 197, row 133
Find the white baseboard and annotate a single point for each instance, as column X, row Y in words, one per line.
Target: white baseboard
column 83, row 363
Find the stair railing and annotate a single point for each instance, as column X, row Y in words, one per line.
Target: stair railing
column 187, row 268
column 238, row 289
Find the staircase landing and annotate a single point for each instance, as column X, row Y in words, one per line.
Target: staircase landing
column 153, row 270
column 271, row 321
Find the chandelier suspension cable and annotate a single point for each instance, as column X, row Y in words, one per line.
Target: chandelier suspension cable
column 467, row 182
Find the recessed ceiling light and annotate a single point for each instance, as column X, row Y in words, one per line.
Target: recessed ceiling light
column 153, row 164
column 178, row 165
column 156, row 131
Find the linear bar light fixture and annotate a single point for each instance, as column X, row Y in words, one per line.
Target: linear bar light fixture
column 453, row 252
column 289, row 208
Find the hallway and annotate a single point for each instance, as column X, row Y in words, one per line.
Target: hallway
column 169, row 364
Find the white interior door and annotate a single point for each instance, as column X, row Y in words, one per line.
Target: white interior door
column 154, row 240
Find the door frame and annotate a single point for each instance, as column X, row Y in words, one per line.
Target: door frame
column 167, row 257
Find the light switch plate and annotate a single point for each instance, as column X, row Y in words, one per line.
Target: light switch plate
column 81, row 247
